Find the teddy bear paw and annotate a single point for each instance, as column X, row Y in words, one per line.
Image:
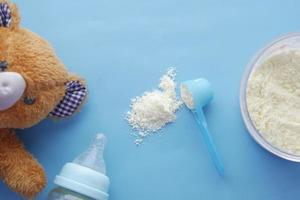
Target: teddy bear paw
column 28, row 181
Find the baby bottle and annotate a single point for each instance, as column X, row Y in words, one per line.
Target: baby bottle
column 84, row 178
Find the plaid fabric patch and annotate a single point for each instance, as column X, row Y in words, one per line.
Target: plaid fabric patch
column 75, row 95
column 5, row 15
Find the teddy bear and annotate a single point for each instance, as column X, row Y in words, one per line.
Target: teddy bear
column 34, row 85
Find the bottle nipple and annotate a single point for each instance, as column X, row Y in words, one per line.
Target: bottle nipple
column 93, row 157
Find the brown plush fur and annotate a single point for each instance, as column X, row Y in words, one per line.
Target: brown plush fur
column 19, row 170
column 45, row 76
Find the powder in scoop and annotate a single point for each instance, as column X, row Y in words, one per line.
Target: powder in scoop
column 187, row 97
column 154, row 109
column 273, row 100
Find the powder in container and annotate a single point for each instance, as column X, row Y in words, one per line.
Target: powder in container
column 154, row 109
column 273, row 100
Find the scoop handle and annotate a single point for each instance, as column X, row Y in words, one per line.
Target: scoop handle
column 200, row 119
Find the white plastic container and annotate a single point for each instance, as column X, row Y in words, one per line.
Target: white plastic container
column 84, row 178
column 284, row 43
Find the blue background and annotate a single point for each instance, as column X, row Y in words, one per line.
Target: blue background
column 122, row 48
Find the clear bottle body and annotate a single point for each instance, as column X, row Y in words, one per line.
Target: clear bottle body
column 61, row 193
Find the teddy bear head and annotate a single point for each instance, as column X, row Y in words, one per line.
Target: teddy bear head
column 34, row 84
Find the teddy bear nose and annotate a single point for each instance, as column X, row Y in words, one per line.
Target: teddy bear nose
column 12, row 87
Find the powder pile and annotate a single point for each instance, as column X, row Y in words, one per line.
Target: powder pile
column 154, row 109
column 273, row 100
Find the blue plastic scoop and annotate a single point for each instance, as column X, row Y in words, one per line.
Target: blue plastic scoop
column 196, row 94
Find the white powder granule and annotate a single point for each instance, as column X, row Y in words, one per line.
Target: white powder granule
column 153, row 110
column 273, row 100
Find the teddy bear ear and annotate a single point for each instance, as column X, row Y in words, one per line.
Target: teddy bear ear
column 75, row 95
column 9, row 15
